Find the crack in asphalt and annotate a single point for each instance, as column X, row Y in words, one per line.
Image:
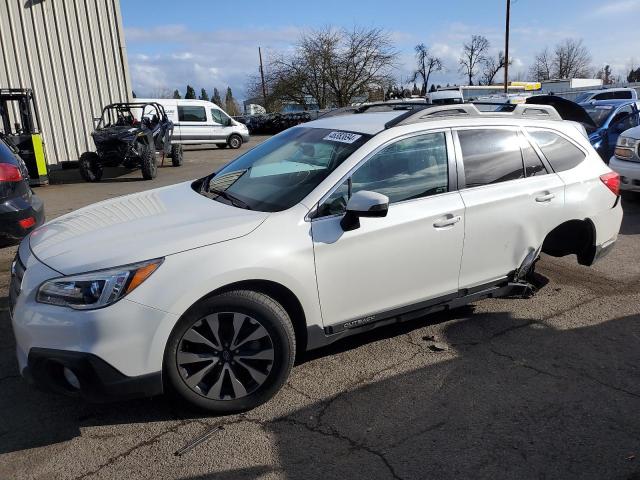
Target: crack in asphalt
column 520, row 363
column 126, row 453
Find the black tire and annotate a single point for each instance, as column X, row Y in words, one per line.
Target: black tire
column 258, row 307
column 176, row 155
column 221, row 145
column 90, row 167
column 235, row 141
column 148, row 162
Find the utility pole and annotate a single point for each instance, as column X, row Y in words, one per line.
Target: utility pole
column 506, row 49
column 264, row 88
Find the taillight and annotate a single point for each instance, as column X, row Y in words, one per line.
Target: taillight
column 612, row 181
column 27, row 222
column 9, row 173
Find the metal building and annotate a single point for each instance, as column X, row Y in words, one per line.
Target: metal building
column 72, row 54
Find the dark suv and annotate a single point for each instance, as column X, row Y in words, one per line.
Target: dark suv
column 129, row 134
column 20, row 209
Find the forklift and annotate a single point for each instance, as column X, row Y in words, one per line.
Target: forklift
column 19, row 105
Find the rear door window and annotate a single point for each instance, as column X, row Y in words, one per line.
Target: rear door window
column 490, row 156
column 533, row 165
column 191, row 114
column 560, row 152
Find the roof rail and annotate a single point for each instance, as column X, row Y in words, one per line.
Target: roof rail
column 541, row 112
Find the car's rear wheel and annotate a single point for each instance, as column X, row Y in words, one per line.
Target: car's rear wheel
column 235, row 141
column 231, row 352
column 90, row 167
column 177, row 155
column 148, row 162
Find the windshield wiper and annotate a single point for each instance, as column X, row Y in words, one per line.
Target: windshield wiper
column 235, row 201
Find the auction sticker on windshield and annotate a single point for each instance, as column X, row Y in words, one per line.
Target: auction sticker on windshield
column 344, row 137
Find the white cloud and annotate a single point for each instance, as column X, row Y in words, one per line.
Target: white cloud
column 618, row 7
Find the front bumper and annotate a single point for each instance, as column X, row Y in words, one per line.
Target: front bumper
column 97, row 380
column 629, row 173
column 245, row 137
column 115, row 352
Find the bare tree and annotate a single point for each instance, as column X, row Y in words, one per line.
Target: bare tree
column 330, row 66
column 473, row 55
column 491, row 66
column 606, row 75
column 571, row 59
column 427, row 64
column 542, row 66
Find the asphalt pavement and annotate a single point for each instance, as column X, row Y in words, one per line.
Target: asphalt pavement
column 546, row 387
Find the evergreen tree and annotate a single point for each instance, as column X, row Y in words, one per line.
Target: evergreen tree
column 191, row 93
column 433, row 88
column 176, row 94
column 133, row 94
column 231, row 106
column 216, row 97
column 204, row 95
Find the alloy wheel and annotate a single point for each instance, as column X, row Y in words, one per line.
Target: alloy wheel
column 225, row 356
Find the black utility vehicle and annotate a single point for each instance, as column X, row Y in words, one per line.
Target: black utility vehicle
column 129, row 134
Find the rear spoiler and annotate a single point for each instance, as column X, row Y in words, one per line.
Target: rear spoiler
column 567, row 109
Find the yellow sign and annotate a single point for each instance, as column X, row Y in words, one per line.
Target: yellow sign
column 528, row 86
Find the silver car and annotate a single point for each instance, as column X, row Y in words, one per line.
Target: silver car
column 626, row 159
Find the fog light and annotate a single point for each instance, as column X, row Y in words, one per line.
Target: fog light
column 71, row 378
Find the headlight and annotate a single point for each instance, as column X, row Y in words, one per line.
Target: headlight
column 627, row 142
column 96, row 289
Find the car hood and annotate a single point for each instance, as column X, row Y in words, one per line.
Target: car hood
column 567, row 109
column 138, row 227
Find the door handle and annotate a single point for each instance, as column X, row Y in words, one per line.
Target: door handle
column 447, row 222
column 545, row 198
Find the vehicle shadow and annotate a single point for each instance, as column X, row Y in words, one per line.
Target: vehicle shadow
column 518, row 399
column 511, row 398
column 631, row 219
column 110, row 175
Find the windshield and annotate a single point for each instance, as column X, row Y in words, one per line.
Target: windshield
column 280, row 172
column 599, row 113
column 129, row 115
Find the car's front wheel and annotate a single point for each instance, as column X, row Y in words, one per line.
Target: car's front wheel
column 231, row 352
column 90, row 167
column 235, row 141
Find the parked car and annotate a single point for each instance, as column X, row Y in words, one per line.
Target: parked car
column 129, row 134
column 328, row 229
column 21, row 210
column 607, row 94
column 199, row 122
column 612, row 117
column 626, row 160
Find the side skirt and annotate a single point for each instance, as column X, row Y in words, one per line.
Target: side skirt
column 321, row 337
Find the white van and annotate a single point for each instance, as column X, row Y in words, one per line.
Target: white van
column 445, row 97
column 199, row 122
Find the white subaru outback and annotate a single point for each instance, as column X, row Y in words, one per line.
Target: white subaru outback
column 211, row 287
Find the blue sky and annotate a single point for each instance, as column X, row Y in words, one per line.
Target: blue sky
column 214, row 44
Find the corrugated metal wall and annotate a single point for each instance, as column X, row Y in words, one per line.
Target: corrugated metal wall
column 72, row 53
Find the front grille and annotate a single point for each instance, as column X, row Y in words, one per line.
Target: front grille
column 17, row 272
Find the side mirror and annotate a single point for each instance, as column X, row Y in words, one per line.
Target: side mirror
column 364, row 204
